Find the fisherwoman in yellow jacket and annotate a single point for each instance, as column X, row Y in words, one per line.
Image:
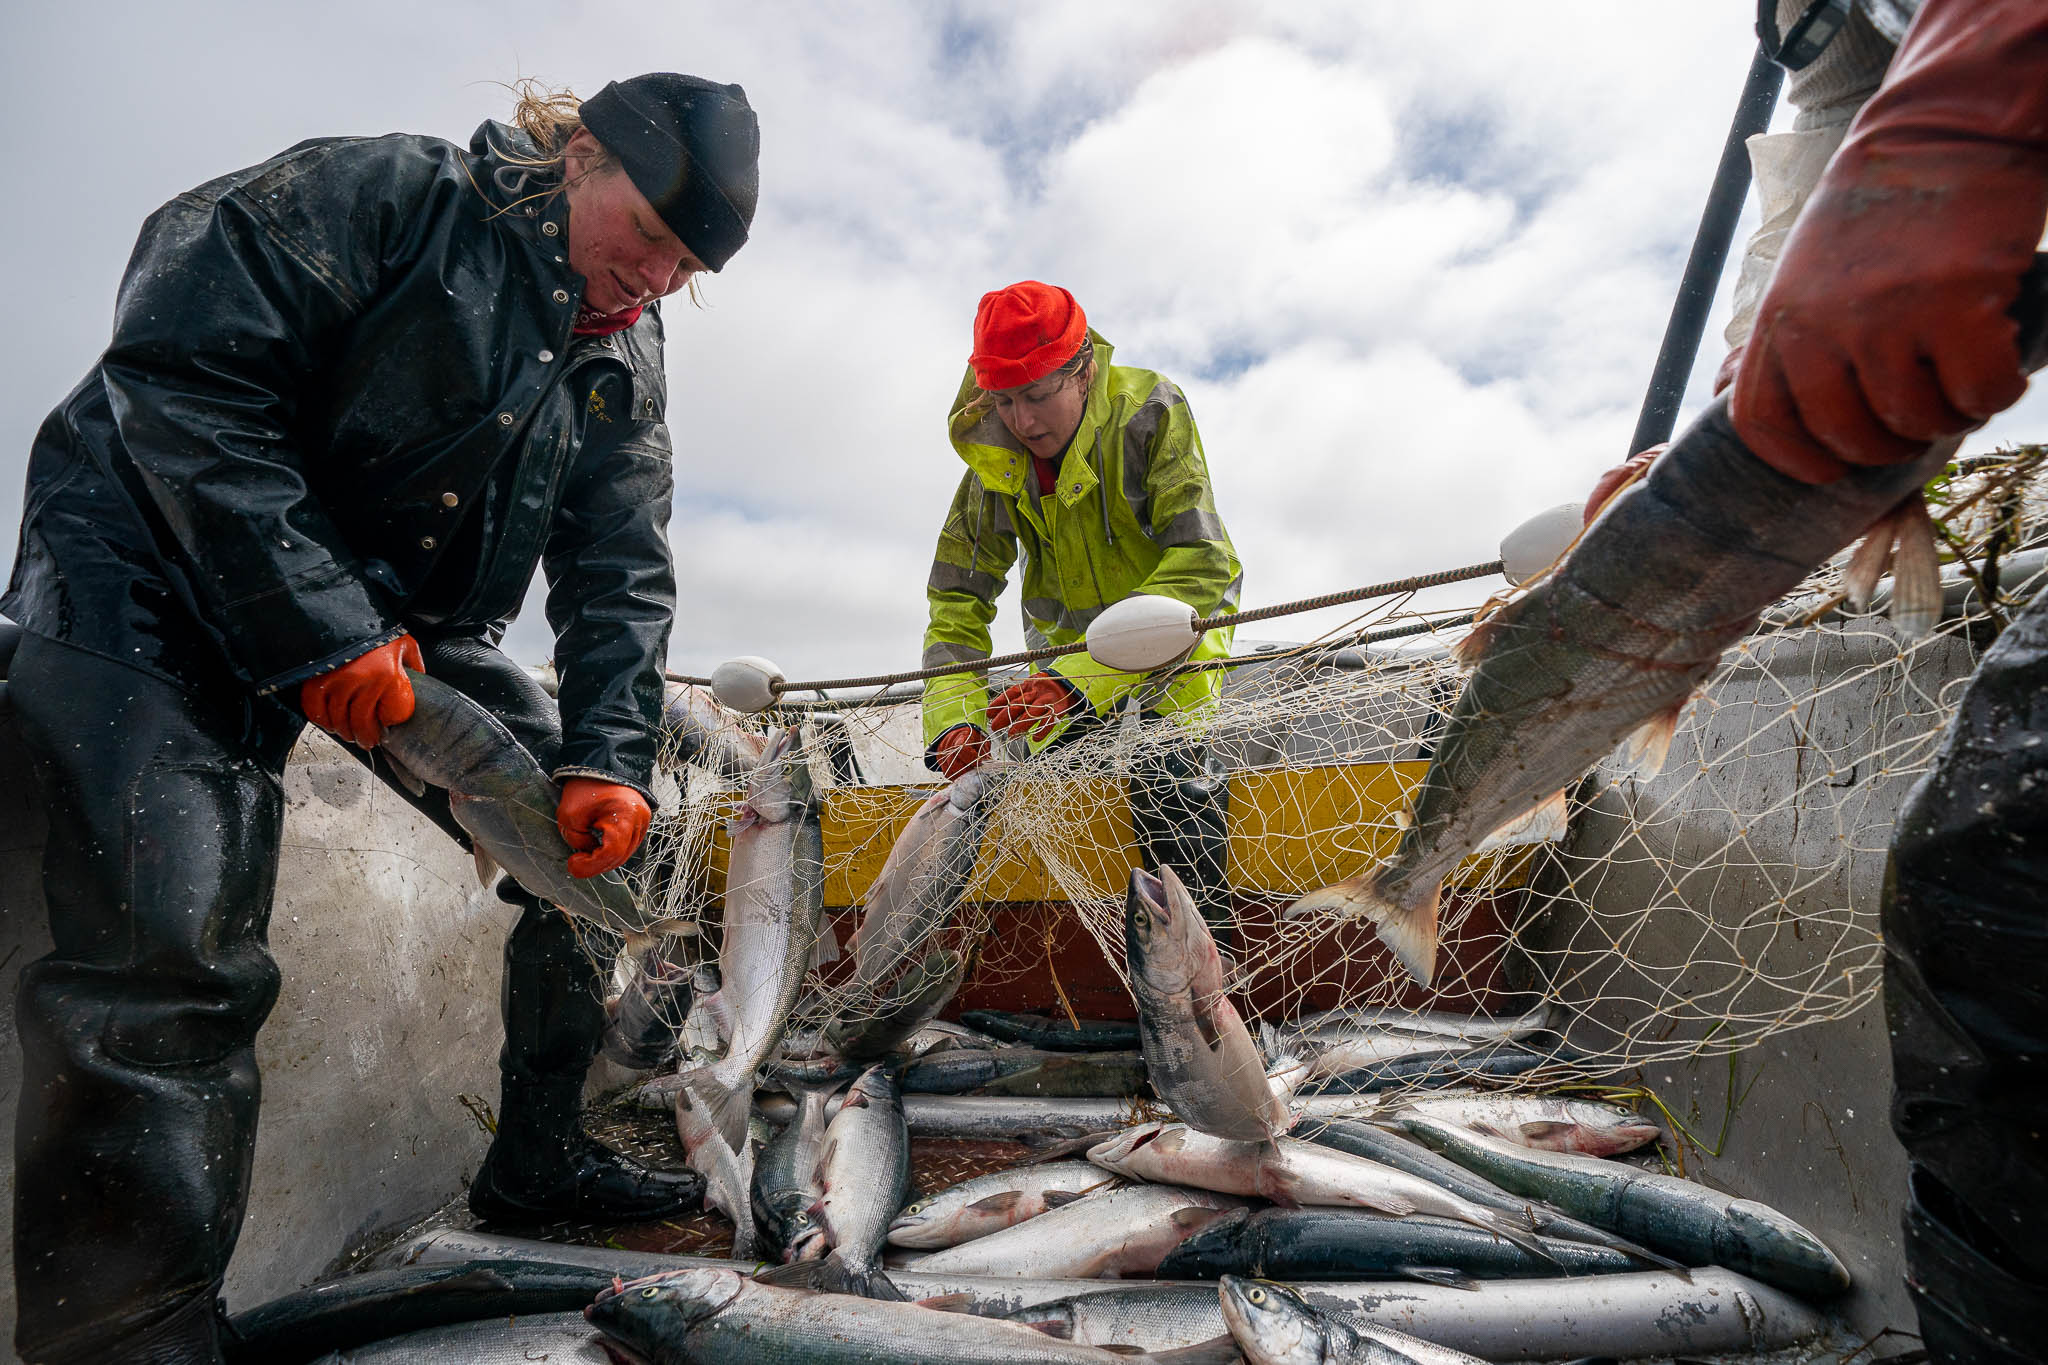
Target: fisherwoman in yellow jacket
column 1093, row 473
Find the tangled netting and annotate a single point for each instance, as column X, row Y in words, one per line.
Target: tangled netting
column 1731, row 897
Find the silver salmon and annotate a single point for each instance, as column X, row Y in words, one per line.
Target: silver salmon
column 1274, row 1325
column 1123, row 1231
column 701, row 731
column 989, row 1203
column 1546, row 1122
column 1292, row 1172
column 873, row 1027
column 643, row 1019
column 1677, row 1217
column 923, row 880
column 1200, row 1057
column 863, row 1178
column 786, row 1172
column 699, row 1315
column 774, row 900
column 1614, row 642
column 500, row 796
column 728, row 1170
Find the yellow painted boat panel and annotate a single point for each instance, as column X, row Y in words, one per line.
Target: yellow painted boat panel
column 1291, row 830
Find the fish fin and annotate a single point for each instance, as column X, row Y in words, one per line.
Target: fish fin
column 1537, row 1132
column 404, row 776
column 795, row 1275
column 1281, row 1196
column 1205, row 1023
column 1121, row 1348
column 1916, row 572
column 1440, row 1275
column 1548, row 823
column 1059, row 1199
column 1649, row 744
column 949, row 1303
column 832, row 1276
column 727, row 1106
column 1215, row 1351
column 487, row 868
column 1408, row 931
column 1867, row 565
column 1058, row 1330
column 1195, row 1217
column 826, row 949
column 1522, row 1235
column 1053, row 1149
column 718, row 1012
column 1469, row 651
column 997, row 1203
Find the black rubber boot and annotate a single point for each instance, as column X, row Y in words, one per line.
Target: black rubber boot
column 1966, row 959
column 136, row 1129
column 1180, row 809
column 542, row 1166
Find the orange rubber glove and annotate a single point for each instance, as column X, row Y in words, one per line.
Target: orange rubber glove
column 356, row 701
column 603, row 821
column 1032, row 706
column 960, row 751
column 1612, row 481
column 1885, row 327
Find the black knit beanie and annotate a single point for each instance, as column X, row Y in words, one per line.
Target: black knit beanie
column 692, row 147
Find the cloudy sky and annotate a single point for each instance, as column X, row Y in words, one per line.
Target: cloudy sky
column 1410, row 262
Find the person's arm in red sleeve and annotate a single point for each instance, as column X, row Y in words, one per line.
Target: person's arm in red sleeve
column 1885, row 326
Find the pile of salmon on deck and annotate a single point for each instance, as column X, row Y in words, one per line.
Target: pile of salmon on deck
column 1419, row 1225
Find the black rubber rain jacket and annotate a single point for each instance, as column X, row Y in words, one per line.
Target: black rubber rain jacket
column 343, row 400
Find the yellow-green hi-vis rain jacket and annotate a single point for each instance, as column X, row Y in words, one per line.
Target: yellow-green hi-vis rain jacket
column 1132, row 513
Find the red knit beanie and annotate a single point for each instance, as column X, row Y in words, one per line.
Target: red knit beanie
column 1024, row 333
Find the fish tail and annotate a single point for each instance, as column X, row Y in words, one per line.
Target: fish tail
column 1409, row 931
column 1916, row 571
column 1521, row 1231
column 1867, row 565
column 726, row 1100
column 745, row 1239
column 826, row 949
column 833, row 1276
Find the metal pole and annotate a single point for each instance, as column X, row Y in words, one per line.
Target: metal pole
column 1709, row 253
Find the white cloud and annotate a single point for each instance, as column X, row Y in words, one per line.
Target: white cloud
column 1411, row 263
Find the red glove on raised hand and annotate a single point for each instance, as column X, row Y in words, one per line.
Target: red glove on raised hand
column 1885, row 326
column 1613, row 480
column 1033, row 705
column 356, row 701
column 603, row 821
column 960, row 751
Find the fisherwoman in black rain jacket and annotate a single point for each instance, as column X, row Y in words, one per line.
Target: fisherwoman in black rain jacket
column 354, row 396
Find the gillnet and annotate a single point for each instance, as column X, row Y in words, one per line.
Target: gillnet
column 1729, row 898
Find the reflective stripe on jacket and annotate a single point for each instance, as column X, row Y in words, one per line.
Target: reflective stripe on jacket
column 1132, row 513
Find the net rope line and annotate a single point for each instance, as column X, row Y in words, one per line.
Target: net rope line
column 1691, row 915
column 1396, row 588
